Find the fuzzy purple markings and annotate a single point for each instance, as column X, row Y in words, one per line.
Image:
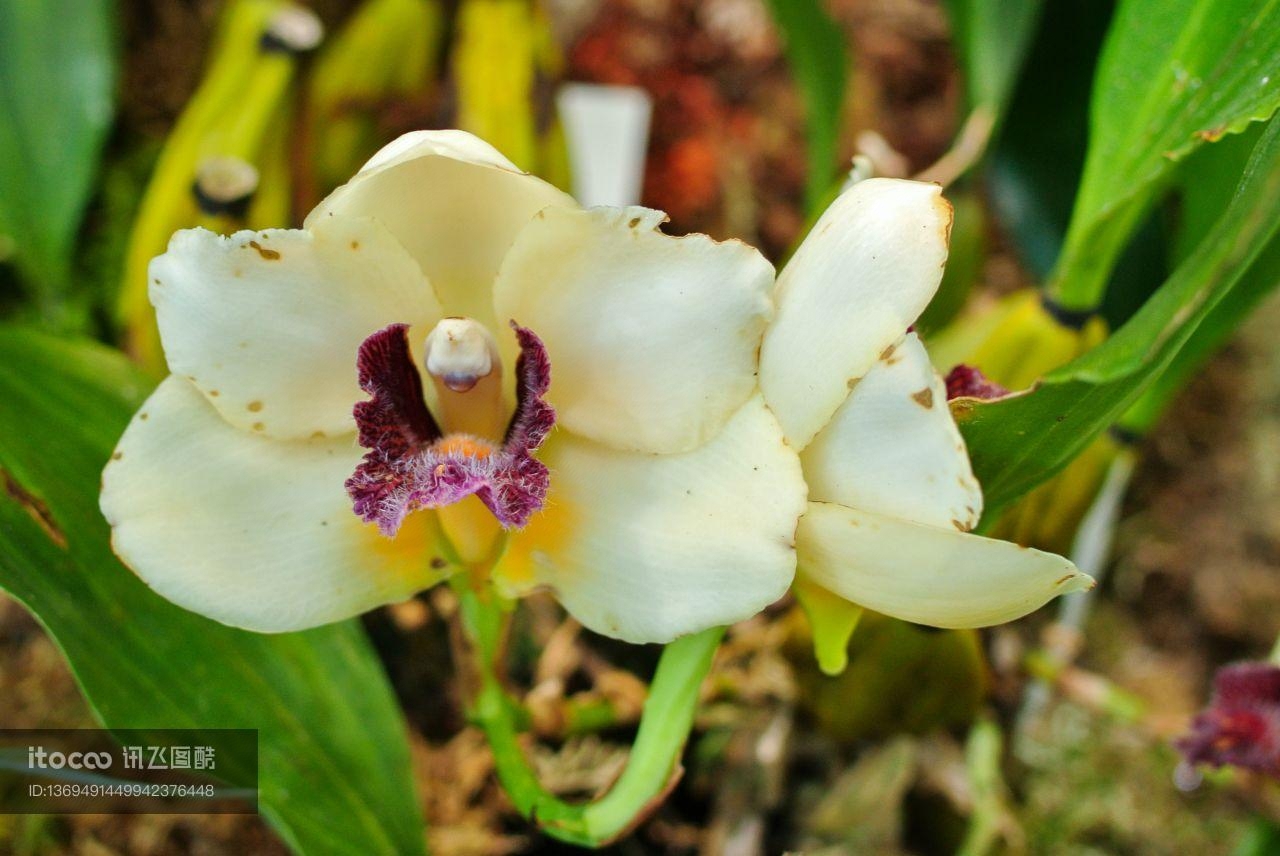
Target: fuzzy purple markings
column 411, row 464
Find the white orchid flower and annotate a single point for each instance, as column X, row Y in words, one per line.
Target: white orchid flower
column 892, row 496
column 295, row 469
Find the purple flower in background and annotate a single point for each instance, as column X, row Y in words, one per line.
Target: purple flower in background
column 1241, row 725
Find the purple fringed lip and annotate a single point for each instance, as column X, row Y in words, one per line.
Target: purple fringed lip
column 412, row 464
column 1241, row 725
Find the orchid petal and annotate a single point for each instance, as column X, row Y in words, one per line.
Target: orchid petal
column 860, row 279
column 927, row 574
column 266, row 324
column 892, row 448
column 456, row 204
column 653, row 339
column 647, row 548
column 252, row 532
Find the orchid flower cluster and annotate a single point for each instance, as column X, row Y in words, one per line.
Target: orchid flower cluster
column 649, row 426
column 454, row 371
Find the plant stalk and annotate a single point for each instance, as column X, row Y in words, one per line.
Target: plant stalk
column 654, row 764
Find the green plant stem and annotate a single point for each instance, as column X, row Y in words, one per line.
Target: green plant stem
column 655, row 756
column 1084, row 687
column 983, row 752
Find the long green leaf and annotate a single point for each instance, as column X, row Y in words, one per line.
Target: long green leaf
column 1018, row 442
column 992, row 38
column 1174, row 74
column 334, row 763
column 1206, row 183
column 816, row 52
column 1039, row 153
column 57, row 87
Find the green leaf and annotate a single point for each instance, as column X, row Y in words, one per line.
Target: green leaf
column 816, row 51
column 1020, row 441
column 1206, row 183
column 1039, row 153
column 1261, row 839
column 992, row 38
column 1174, row 74
column 334, row 763
column 57, row 84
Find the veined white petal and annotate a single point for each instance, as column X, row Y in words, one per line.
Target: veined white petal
column 892, row 448
column 253, row 532
column 652, row 339
column 859, row 280
column 646, row 548
column 455, row 203
column 928, row 574
column 267, row 324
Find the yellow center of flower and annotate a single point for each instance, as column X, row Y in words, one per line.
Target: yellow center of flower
column 462, row 444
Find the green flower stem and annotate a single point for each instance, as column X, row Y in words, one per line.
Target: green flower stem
column 983, row 753
column 588, row 716
column 655, row 756
column 1092, row 690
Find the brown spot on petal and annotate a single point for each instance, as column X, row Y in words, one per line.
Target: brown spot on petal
column 635, row 221
column 438, row 563
column 268, row 255
column 115, row 456
column 255, row 406
column 924, row 398
column 959, row 525
column 258, row 426
column 888, row 352
column 1064, row 579
column 355, row 245
column 213, row 393
column 143, row 416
